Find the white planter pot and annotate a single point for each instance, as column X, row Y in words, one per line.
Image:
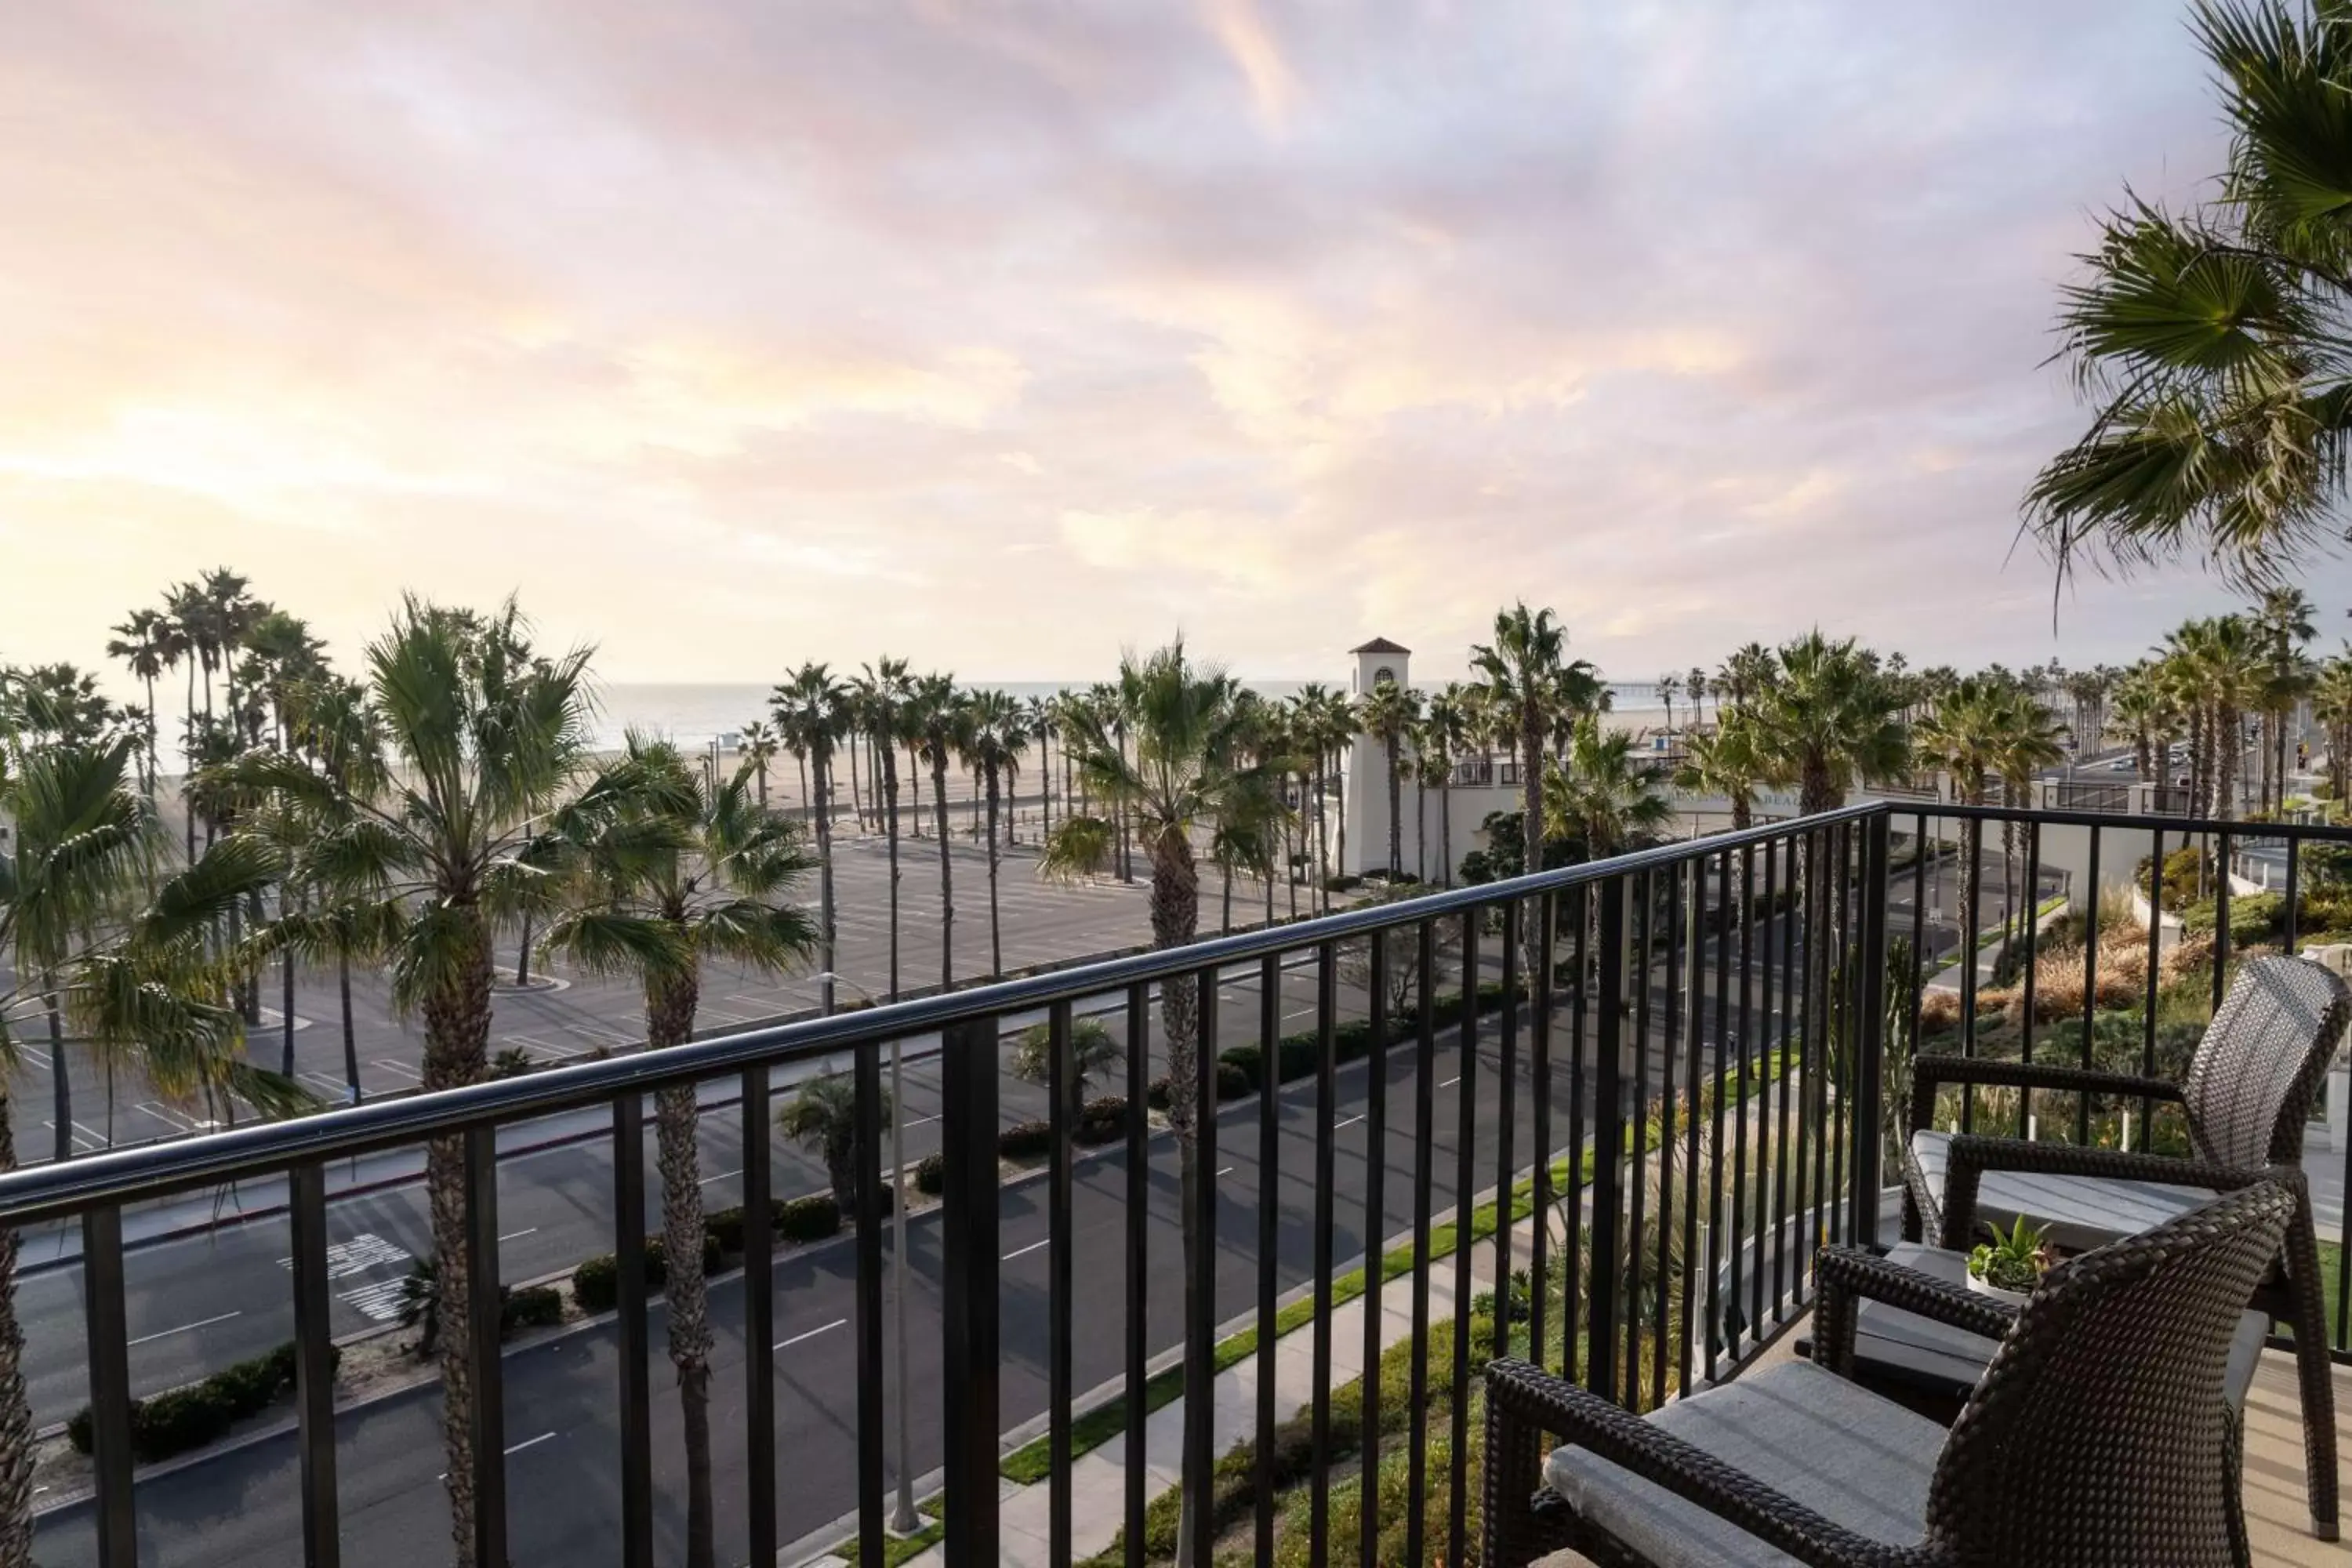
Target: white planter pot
column 2015, row 1298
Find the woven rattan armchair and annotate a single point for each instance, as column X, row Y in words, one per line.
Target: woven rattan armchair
column 2248, row 1092
column 2099, row 1436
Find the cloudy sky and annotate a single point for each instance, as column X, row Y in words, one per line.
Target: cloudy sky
column 1001, row 334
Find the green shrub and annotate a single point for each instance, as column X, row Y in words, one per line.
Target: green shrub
column 202, row 1412
column 1341, row 883
column 1025, row 1141
column 531, row 1307
column 1155, row 1093
column 596, row 1283
column 2180, row 875
column 932, row 1174
column 725, row 1229
column 2253, row 917
column 512, row 1062
column 1249, row 1060
column 812, row 1218
column 1103, row 1119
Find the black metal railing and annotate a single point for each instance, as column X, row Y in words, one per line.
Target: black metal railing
column 1667, row 1070
column 2153, row 927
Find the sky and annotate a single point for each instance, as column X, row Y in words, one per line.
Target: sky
column 1004, row 335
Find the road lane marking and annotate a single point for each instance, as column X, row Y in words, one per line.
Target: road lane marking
column 1018, row 1251
column 919, row 1120
column 825, row 1327
column 512, row 1234
column 380, row 1301
column 403, row 1068
column 363, row 1252
column 1340, row 1126
column 530, row 1442
column 184, row 1328
column 719, row 1177
column 1450, row 1082
column 599, row 1032
column 1228, row 1171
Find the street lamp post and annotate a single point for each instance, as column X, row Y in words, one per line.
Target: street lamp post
column 903, row 1519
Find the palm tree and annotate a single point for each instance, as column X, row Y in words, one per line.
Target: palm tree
column 937, row 721
column 1607, row 794
column 1095, row 1054
column 814, row 708
column 992, row 738
column 2211, row 338
column 1444, row 734
column 141, row 643
column 2283, row 620
column 2136, row 714
column 1695, row 687
column 824, row 1117
column 1043, row 718
column 488, row 736
column 1724, row 760
column 1828, row 722
column 758, row 749
column 1531, row 683
column 1669, row 684
column 1188, row 777
column 129, row 980
column 889, row 694
column 666, row 869
column 1311, row 720
column 1964, row 735
column 2029, row 742
column 2331, row 704
column 1386, row 714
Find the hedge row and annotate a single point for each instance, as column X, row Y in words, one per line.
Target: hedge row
column 203, row 1411
column 1102, row 1119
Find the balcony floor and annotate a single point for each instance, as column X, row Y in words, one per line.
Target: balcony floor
column 2278, row 1524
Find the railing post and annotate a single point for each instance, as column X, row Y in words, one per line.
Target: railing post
column 1870, row 1037
column 314, row 1367
column 110, row 1386
column 483, row 1312
column 968, row 1069
column 1608, row 1143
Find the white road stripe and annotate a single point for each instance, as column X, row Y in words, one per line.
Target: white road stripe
column 719, row 1177
column 1228, row 1171
column 403, row 1068
column 1019, row 1251
column 1450, row 1082
column 530, row 1442
column 812, row 1333
column 184, row 1328
column 528, row 1230
column 1341, row 1126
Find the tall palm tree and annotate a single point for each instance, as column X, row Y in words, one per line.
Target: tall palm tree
column 993, row 737
column 105, row 968
column 2136, row 715
column 814, row 706
column 1964, row 735
column 1829, row 721
column 1444, row 735
column 1188, row 777
column 141, row 643
column 1531, row 682
column 666, row 870
column 336, row 726
column 1695, row 687
column 2029, row 742
column 1318, row 714
column 2331, row 704
column 233, row 614
column 1044, row 720
column 487, row 737
column 1386, row 714
column 938, row 720
column 889, row 696
column 2211, row 339
column 2283, row 620
column 1607, row 794
column 1724, row 760
column 1669, row 685
column 758, row 748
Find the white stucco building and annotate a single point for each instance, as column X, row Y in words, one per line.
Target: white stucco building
column 1481, row 785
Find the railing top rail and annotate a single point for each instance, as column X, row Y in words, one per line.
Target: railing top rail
column 2174, row 826
column 60, row 1188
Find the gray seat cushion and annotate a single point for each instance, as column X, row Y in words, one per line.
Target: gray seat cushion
column 1856, row 1459
column 2080, row 1212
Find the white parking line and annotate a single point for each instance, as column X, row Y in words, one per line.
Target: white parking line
column 1450, row 1082
column 512, row 1234
column 1228, row 1171
column 401, row 1068
column 711, row 1012
column 825, row 1327
column 184, row 1328
column 719, row 1177
column 530, row 1442
column 34, row 1055
column 1019, row 1251
column 599, row 1032
column 1341, row 1126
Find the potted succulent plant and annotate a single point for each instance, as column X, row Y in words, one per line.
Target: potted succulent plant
column 2011, row 1265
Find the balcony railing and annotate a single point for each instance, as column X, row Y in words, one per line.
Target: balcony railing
column 1652, row 1083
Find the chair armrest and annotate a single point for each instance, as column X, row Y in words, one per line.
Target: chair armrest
column 1523, row 1394
column 1847, row 1274
column 1930, row 1069
column 1969, row 1157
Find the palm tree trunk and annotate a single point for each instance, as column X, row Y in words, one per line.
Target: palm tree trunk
column 1396, row 815
column 60, row 1091
column 808, row 801
column 351, row 1039
column 995, row 936
column 1445, row 828
column 915, row 782
column 456, row 1052
column 187, row 739
column 856, row 797
column 1175, row 913
column 890, row 826
column 522, row 952
column 1225, row 913
column 1420, row 828
column 17, row 1447
column 947, row 870
column 1340, row 808
column 669, row 1021
column 825, row 936
column 285, row 1007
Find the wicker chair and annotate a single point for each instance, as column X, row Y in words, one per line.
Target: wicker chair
column 2248, row 1092
column 2099, row 1437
